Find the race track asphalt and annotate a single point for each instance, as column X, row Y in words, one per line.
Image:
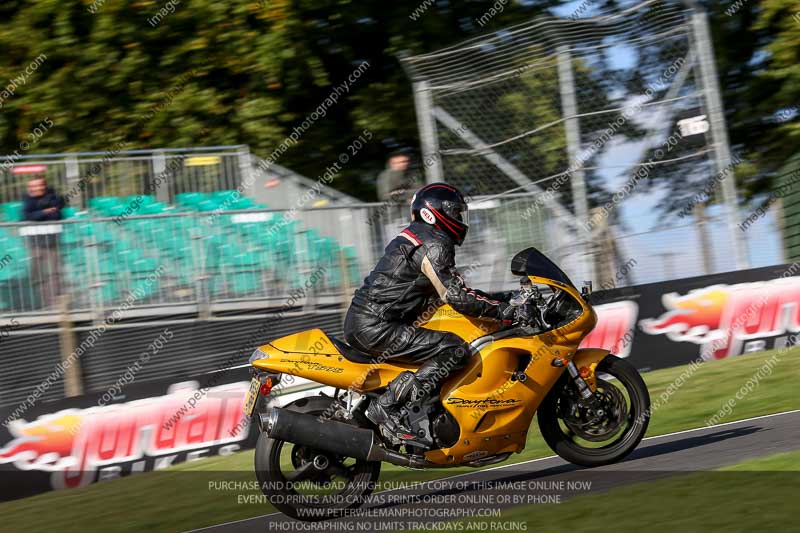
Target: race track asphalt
column 657, row 457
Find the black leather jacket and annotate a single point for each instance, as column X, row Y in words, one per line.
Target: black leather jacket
column 33, row 211
column 416, row 270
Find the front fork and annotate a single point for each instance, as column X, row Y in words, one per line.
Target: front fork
column 584, row 378
column 583, row 388
column 587, row 388
column 586, row 383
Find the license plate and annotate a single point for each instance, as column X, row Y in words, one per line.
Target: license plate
column 252, row 396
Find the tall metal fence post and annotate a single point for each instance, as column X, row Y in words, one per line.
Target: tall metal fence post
column 705, row 242
column 569, row 106
column 203, row 291
column 95, row 278
column 159, row 166
column 431, row 161
column 73, row 178
column 245, row 171
column 344, row 267
column 719, row 132
column 73, row 377
column 781, row 223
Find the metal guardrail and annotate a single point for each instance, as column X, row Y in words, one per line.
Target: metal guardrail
column 225, row 259
column 86, row 175
column 99, row 264
column 163, row 173
column 256, row 258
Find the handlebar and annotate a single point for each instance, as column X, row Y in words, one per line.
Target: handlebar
column 532, row 307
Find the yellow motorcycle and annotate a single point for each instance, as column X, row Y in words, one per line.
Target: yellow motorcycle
column 319, row 457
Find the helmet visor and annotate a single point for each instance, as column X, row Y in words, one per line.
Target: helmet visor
column 461, row 213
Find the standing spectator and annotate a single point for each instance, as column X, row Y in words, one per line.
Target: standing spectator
column 42, row 204
column 398, row 182
column 396, row 186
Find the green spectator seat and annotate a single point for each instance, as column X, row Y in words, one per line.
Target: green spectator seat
column 189, row 199
column 104, row 203
column 144, row 200
column 71, row 236
column 243, row 203
column 12, row 212
column 118, row 210
column 108, row 292
column 225, row 196
column 156, row 208
column 207, row 205
column 233, row 258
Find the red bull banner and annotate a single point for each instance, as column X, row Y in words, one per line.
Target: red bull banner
column 709, row 317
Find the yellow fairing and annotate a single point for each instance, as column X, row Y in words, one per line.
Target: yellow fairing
column 448, row 319
column 311, row 355
column 493, row 411
column 590, row 358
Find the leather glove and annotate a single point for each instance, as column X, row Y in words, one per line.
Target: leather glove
column 523, row 315
column 517, row 314
column 508, row 314
column 526, row 315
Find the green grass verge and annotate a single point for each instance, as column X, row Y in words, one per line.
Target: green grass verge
column 755, row 495
column 184, row 497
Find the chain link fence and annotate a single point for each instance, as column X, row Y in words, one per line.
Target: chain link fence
column 87, row 180
column 613, row 120
column 260, row 257
column 82, row 177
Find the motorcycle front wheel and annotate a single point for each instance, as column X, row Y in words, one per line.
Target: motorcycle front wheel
column 310, row 484
column 601, row 432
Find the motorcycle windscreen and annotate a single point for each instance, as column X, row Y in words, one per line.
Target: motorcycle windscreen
column 532, row 262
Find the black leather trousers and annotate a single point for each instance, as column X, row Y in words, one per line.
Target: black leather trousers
column 440, row 352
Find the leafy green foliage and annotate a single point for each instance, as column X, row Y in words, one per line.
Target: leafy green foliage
column 250, row 71
column 757, row 49
column 223, row 73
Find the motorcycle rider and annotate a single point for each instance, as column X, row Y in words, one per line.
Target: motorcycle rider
column 417, row 274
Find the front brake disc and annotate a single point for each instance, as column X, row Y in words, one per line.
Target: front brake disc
column 591, row 426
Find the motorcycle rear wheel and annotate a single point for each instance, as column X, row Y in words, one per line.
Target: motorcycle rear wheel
column 285, row 475
column 587, row 448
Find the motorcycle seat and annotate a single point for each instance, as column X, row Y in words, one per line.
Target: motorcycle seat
column 350, row 353
column 357, row 356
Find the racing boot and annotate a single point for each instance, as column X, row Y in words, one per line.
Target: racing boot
column 388, row 410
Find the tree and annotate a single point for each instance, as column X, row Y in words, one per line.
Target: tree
column 121, row 75
column 756, row 50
